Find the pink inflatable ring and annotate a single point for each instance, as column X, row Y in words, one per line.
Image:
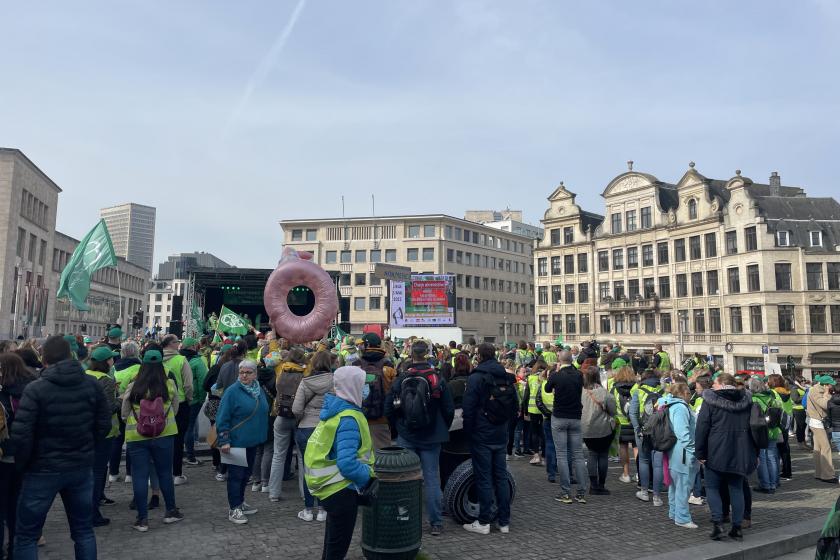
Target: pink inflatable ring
column 297, row 269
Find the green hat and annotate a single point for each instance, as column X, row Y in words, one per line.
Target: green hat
column 152, row 357
column 115, row 332
column 825, row 380
column 189, row 341
column 103, row 353
column 71, row 340
column 88, row 340
column 716, row 375
column 225, row 348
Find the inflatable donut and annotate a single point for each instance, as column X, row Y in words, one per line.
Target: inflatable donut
column 297, row 269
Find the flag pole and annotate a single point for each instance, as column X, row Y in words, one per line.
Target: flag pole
column 119, row 296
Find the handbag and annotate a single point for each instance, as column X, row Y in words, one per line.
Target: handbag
column 603, row 409
column 212, row 433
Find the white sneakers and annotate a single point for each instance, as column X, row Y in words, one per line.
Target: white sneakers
column 237, row 516
column 221, row 477
column 688, row 525
column 128, row 479
column 256, row 487
column 179, row 480
column 305, row 515
column 643, row 495
column 695, row 501
column 264, row 490
column 535, row 460
column 505, row 529
column 476, row 527
column 624, row 478
column 657, row 501
column 113, row 478
column 248, row 510
column 322, row 515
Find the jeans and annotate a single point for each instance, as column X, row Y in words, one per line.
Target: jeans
column 284, row 431
column 192, row 430
column 301, row 438
column 36, row 497
column 182, row 419
column 101, row 455
column 550, row 451
column 835, row 441
column 768, row 467
column 342, row 509
column 515, row 435
column 430, row 463
column 724, row 497
column 491, row 480
column 238, row 479
column 537, row 441
column 699, row 490
column 157, row 451
column 116, row 452
column 783, row 448
column 648, row 457
column 800, row 419
column 261, row 471
column 735, row 485
column 568, row 442
column 678, row 493
column 10, row 481
column 597, row 466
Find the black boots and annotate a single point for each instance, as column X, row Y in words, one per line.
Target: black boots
column 736, row 534
column 717, row 532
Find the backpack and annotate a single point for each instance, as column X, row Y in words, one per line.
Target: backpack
column 758, row 427
column 152, row 418
column 649, row 408
column 500, row 406
column 457, row 387
column 774, row 417
column 374, row 404
column 287, row 386
column 622, row 398
column 657, row 428
column 417, row 390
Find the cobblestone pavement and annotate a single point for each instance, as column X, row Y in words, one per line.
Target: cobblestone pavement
column 616, row 526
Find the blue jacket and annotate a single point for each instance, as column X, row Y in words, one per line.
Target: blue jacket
column 681, row 458
column 348, row 439
column 479, row 429
column 237, row 405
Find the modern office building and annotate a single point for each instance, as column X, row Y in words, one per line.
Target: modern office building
column 132, row 229
column 493, row 268
column 746, row 272
column 505, row 220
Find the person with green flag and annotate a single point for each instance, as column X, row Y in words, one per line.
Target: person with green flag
column 95, row 251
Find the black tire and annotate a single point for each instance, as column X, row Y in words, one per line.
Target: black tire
column 459, row 494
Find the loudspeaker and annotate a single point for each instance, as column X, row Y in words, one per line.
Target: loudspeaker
column 177, row 308
column 176, row 328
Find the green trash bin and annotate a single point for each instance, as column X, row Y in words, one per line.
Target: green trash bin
column 393, row 525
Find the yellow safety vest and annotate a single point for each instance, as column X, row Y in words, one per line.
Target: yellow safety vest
column 533, row 387
column 171, row 428
column 115, row 421
column 321, row 472
column 173, row 366
column 619, row 412
column 801, row 394
column 547, row 397
column 126, row 376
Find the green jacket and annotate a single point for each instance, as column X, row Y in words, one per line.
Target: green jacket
column 766, row 399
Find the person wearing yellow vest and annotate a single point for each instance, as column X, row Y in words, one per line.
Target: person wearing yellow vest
column 178, row 369
column 547, row 399
column 650, row 389
column 535, row 417
column 139, row 401
column 661, row 359
column 549, row 355
column 777, row 384
column 101, row 360
column 125, row 371
column 338, row 462
column 622, row 389
column 518, row 441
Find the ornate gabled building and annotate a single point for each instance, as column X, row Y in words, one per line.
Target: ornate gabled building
column 746, row 272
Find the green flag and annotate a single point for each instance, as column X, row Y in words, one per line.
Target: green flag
column 95, row 251
column 231, row 323
column 217, row 339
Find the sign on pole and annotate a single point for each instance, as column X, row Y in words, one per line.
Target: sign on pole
column 392, row 272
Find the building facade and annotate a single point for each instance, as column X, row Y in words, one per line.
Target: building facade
column 748, row 273
column 506, row 220
column 492, row 268
column 132, row 229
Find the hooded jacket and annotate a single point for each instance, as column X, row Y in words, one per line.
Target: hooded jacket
column 199, row 372
column 598, row 408
column 240, row 408
column 722, row 437
column 348, row 439
column 477, row 393
column 681, row 457
column 309, row 399
column 61, row 417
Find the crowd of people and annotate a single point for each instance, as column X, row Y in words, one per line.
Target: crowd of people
column 77, row 415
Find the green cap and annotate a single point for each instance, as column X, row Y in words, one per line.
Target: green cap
column 103, row 353
column 225, row 348
column 825, row 380
column 115, row 332
column 189, row 341
column 152, row 357
column 71, row 340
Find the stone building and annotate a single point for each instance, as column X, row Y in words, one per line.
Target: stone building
column 492, row 268
column 746, row 272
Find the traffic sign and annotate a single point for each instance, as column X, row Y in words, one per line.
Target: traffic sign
column 774, row 349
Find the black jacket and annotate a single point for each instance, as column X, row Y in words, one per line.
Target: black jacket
column 567, row 385
column 438, row 432
column 834, row 412
column 61, row 417
column 476, row 425
column 722, row 437
column 10, row 396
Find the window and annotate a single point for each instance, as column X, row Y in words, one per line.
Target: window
column 568, row 235
column 783, row 238
column 633, row 288
column 664, row 287
column 555, row 236
column 556, row 294
column 157, row 308
column 447, row 232
column 616, row 223
column 647, row 255
column 603, row 261
column 344, row 280
column 786, row 319
column 699, row 321
column 750, row 239
column 429, row 231
column 618, row 259
column 390, row 255
column 412, row 255
column 630, row 217
column 361, row 279
column 603, row 290
column 584, row 323
column 570, row 293
column 571, row 326
column 833, row 275
column 634, row 323
column 647, row 288
column 662, row 252
column 468, row 280
column 556, row 323
column 374, row 304
column 735, row 324
column 542, row 266
column 712, row 287
column 297, row 235
column 556, row 269
column 679, row 250
column 731, row 240
column 646, row 217
column 783, row 278
column 375, row 255
column 346, row 257
column 43, row 254
column 650, row 323
column 543, row 324
column 665, row 323
column 311, row 234
column 682, row 285
column 711, row 245
column 413, row 231
column 332, row 257
column 33, row 245
column 359, row 304
column 733, row 276
column 468, row 304
column 756, row 323
column 458, row 234
column 361, row 256
column 542, row 294
column 428, row 253
column 697, row 283
column 816, row 315
column 835, row 318
column 618, row 289
column 753, row 280
column 619, row 324
column 582, row 263
column 813, row 272
column 816, row 238
column 583, row 293
column 714, row 320
column 569, row 264
column 694, row 247
column 692, row 209
column 632, row 257
column 605, row 323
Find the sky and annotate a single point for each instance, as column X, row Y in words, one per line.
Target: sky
column 231, row 116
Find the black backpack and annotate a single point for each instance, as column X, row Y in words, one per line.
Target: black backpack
column 417, row 390
column 758, row 427
column 500, row 406
column 659, row 431
column 374, row 404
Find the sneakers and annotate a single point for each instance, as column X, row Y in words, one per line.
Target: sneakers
column 508, row 457
column 657, row 500
column 625, row 478
column 436, row 530
column 518, row 454
column 179, row 480
column 746, row 523
column 128, row 479
column 696, row 500
column 580, row 498
column 113, row 478
column 643, row 495
column 504, row 529
column 236, row 516
column 192, row 461
column 220, row 477
column 535, row 460
column 106, row 502
column 256, row 487
column 248, row 509
column 717, row 532
column 322, row 515
column 264, row 489
column 306, row 515
column 275, row 498
column 101, row 522
column 154, row 502
column 688, row 525
column 476, row 527
column 173, row 516
column 141, row 525
column 563, row 498
column 614, row 459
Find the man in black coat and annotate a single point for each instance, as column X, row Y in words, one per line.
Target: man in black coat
column 61, row 418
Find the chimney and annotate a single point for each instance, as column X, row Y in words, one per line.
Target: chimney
column 775, row 184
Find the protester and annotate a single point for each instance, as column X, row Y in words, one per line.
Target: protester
column 241, row 425
column 61, row 418
column 818, row 397
column 622, row 384
column 768, row 458
column 642, row 405
column 99, row 366
column 597, row 428
column 289, row 375
column 682, row 463
column 125, row 371
column 380, row 376
column 198, row 367
column 261, row 473
column 532, row 414
column 776, row 383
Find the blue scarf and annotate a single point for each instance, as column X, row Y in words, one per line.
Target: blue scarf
column 253, row 389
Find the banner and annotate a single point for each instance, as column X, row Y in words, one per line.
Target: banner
column 428, row 300
column 95, row 251
column 231, row 323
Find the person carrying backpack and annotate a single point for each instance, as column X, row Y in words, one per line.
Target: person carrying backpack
column 380, row 375
column 768, row 457
column 642, row 405
column 149, row 408
column 490, row 403
column 682, row 464
column 622, row 389
column 421, row 406
column 289, row 375
column 189, row 350
column 777, row 384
